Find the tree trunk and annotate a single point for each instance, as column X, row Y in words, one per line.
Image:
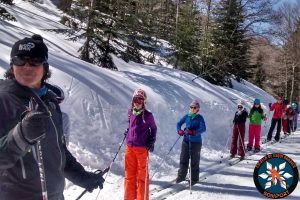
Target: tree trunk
column 293, row 81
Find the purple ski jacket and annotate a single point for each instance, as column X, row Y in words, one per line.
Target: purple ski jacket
column 141, row 129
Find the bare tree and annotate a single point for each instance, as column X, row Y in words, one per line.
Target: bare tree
column 288, row 33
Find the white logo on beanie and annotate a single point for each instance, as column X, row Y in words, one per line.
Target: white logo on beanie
column 26, row 47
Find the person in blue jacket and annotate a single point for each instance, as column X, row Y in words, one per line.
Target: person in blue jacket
column 192, row 142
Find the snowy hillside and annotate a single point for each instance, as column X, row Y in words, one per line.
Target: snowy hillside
column 97, row 100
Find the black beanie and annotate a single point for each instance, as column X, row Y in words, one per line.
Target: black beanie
column 33, row 47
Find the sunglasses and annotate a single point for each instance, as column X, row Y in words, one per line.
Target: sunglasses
column 21, row 61
column 193, row 107
column 240, row 106
column 138, row 100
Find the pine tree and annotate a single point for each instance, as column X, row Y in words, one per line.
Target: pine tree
column 4, row 15
column 230, row 55
column 88, row 22
column 260, row 75
column 187, row 38
column 65, row 5
column 121, row 27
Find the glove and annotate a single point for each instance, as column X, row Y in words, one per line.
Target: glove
column 191, row 132
column 34, row 125
column 181, row 132
column 150, row 145
column 92, row 181
column 270, row 104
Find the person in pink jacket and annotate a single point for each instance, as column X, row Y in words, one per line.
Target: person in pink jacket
column 278, row 109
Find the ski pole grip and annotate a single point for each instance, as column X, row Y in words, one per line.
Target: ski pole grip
column 97, row 171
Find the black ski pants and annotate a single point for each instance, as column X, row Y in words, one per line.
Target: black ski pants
column 195, row 160
column 273, row 124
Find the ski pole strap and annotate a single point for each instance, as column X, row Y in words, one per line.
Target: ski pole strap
column 96, row 172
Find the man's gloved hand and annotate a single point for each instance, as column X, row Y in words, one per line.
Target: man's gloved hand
column 181, row 132
column 92, row 181
column 191, row 132
column 270, row 104
column 34, row 125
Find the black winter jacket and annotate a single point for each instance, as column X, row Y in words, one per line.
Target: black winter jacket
column 19, row 173
column 240, row 117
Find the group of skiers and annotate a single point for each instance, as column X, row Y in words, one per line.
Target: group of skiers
column 34, row 158
column 284, row 115
column 140, row 138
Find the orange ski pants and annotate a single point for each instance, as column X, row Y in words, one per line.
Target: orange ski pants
column 136, row 159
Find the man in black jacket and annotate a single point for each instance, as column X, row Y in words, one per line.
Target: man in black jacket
column 30, row 117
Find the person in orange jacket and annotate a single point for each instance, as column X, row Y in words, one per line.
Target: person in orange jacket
column 140, row 139
column 278, row 109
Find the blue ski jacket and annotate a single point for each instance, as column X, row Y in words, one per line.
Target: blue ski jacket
column 196, row 124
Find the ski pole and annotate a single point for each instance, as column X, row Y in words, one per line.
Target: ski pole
column 227, row 142
column 266, row 129
column 241, row 139
column 146, row 177
column 42, row 170
column 112, row 161
column 40, row 158
column 118, row 149
column 190, row 163
column 165, row 158
column 96, row 172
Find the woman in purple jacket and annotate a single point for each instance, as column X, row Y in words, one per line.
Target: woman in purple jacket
column 140, row 139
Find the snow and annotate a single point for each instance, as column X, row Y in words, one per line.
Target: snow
column 97, row 100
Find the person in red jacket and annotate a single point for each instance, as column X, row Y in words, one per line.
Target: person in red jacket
column 287, row 120
column 278, row 109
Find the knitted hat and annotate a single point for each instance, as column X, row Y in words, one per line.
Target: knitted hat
column 33, row 47
column 141, row 94
column 256, row 101
column 240, row 103
column 195, row 103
